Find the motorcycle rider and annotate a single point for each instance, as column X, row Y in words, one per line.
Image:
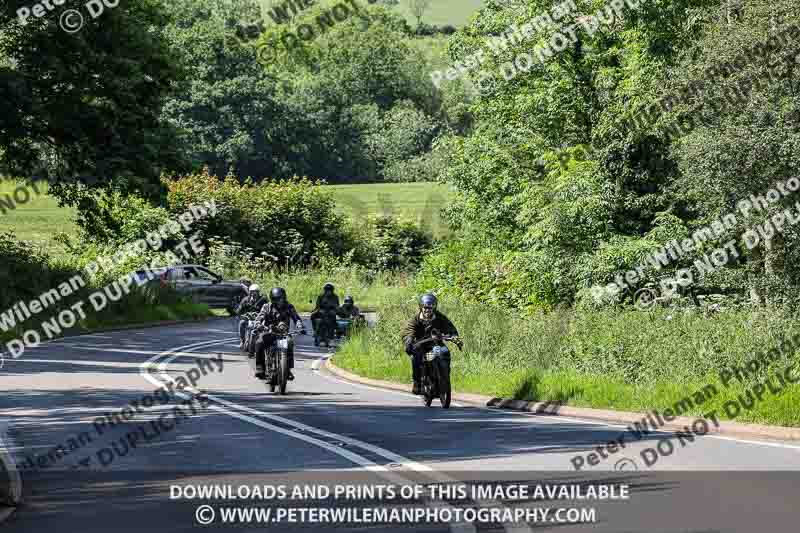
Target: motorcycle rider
column 427, row 322
column 277, row 311
column 251, row 304
column 348, row 309
column 325, row 310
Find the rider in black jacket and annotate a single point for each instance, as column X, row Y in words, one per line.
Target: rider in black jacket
column 277, row 311
column 422, row 326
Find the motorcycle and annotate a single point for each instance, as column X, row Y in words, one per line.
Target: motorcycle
column 436, row 370
column 248, row 347
column 277, row 358
column 324, row 327
column 345, row 325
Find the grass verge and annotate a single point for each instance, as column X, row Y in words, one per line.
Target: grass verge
column 629, row 361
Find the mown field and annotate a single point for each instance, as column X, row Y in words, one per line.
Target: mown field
column 37, row 220
column 455, row 12
column 417, row 202
column 41, row 218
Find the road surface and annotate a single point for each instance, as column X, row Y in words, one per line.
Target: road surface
column 98, row 449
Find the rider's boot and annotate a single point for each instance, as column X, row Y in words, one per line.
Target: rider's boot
column 416, row 389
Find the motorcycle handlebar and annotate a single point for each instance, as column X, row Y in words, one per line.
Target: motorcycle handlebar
column 444, row 338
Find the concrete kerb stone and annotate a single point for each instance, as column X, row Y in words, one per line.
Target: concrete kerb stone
column 602, row 415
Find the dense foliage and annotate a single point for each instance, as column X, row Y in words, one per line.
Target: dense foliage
column 295, row 222
column 570, row 182
column 603, row 359
column 82, row 109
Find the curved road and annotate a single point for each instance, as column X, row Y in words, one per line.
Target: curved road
column 137, row 468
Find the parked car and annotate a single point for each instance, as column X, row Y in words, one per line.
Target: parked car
column 198, row 283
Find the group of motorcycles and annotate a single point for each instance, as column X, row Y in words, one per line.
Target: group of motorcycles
column 278, row 355
column 327, row 325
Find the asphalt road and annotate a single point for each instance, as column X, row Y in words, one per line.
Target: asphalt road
column 137, row 469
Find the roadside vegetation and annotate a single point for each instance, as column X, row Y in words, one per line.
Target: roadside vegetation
column 625, row 360
column 28, row 271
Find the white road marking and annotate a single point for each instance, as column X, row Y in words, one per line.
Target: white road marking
column 387, row 454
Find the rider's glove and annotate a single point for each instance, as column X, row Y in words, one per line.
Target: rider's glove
column 410, row 348
column 459, row 343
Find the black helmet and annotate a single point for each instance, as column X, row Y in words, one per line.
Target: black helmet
column 428, row 300
column 328, row 287
column 349, row 300
column 277, row 295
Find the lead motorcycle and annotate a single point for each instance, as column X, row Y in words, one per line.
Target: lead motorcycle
column 436, row 370
column 277, row 356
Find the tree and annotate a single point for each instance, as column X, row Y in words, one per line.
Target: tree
column 418, row 8
column 82, row 110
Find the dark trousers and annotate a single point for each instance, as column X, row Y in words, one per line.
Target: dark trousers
column 416, row 365
column 265, row 343
column 243, row 330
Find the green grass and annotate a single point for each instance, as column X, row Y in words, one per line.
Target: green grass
column 628, row 361
column 38, row 220
column 371, row 290
column 418, row 202
column 455, row 12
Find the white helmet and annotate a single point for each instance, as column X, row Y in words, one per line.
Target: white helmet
column 254, row 288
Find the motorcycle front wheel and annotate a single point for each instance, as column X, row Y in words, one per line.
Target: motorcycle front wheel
column 273, row 375
column 283, row 371
column 445, row 392
column 427, row 390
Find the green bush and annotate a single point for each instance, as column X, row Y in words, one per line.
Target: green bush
column 303, row 284
column 397, row 245
column 26, row 272
column 475, row 271
column 288, row 221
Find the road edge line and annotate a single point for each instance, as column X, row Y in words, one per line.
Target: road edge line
column 602, row 415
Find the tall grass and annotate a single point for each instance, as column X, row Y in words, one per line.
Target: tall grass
column 625, row 360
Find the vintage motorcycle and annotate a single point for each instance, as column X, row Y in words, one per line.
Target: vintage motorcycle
column 344, row 326
column 277, row 357
column 436, row 370
column 324, row 325
column 249, row 344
